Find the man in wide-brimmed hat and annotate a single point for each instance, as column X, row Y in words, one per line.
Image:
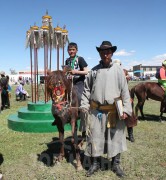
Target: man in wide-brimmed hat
column 106, row 45
column 105, row 83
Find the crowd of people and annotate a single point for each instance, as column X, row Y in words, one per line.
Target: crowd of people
column 5, row 91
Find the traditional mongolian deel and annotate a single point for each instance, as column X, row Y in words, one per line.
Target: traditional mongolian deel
column 103, row 93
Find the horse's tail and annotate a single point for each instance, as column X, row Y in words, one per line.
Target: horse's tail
column 132, row 92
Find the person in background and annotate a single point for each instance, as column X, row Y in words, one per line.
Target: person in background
column 162, row 77
column 103, row 84
column 21, row 92
column 5, row 103
column 8, row 93
column 130, row 121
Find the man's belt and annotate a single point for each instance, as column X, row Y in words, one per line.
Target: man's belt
column 112, row 112
column 108, row 107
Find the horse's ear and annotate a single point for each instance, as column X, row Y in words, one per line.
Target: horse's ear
column 64, row 72
column 48, row 72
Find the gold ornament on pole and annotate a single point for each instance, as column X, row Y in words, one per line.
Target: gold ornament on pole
column 45, row 37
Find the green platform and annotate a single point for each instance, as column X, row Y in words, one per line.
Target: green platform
column 36, row 118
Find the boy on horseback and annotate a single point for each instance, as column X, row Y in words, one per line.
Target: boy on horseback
column 79, row 68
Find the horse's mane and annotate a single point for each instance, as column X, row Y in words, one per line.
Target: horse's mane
column 55, row 76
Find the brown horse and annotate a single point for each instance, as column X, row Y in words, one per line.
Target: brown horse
column 147, row 90
column 64, row 109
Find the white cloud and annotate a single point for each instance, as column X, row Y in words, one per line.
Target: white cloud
column 89, row 58
column 159, row 58
column 28, row 67
column 154, row 61
column 123, row 52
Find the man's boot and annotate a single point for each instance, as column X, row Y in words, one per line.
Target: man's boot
column 115, row 166
column 95, row 166
column 130, row 134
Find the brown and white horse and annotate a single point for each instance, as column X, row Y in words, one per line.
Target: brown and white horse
column 64, row 109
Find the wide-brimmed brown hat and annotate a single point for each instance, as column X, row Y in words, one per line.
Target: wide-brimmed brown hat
column 106, row 45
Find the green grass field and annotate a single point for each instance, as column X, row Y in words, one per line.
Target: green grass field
column 21, row 153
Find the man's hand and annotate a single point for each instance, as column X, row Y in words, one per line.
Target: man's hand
column 74, row 71
column 124, row 116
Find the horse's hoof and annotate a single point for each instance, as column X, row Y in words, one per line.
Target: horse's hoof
column 1, row 176
column 79, row 168
column 60, row 159
column 56, row 161
column 161, row 121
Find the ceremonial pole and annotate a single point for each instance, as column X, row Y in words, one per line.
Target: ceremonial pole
column 47, row 32
column 58, row 42
column 64, row 40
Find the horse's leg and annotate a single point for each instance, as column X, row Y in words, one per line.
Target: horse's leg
column 136, row 110
column 161, row 117
column 61, row 139
column 141, row 110
column 75, row 144
column 162, row 109
column 139, row 106
column 82, row 129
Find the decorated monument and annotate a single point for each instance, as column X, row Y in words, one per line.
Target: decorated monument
column 37, row 116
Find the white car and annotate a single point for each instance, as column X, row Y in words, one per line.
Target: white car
column 153, row 78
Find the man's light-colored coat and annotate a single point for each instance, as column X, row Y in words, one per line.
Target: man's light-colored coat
column 103, row 85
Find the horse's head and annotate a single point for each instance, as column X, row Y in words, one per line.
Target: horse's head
column 58, row 85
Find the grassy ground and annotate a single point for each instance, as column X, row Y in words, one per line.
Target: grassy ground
column 28, row 156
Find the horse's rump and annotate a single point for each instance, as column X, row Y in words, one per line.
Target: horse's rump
column 147, row 90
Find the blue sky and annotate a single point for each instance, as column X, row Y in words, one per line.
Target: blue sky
column 137, row 28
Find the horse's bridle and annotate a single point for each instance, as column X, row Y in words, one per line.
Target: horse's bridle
column 58, row 92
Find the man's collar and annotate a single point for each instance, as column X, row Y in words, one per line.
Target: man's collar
column 103, row 66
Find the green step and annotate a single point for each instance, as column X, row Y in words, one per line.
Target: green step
column 35, row 126
column 40, row 106
column 35, row 118
column 24, row 113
